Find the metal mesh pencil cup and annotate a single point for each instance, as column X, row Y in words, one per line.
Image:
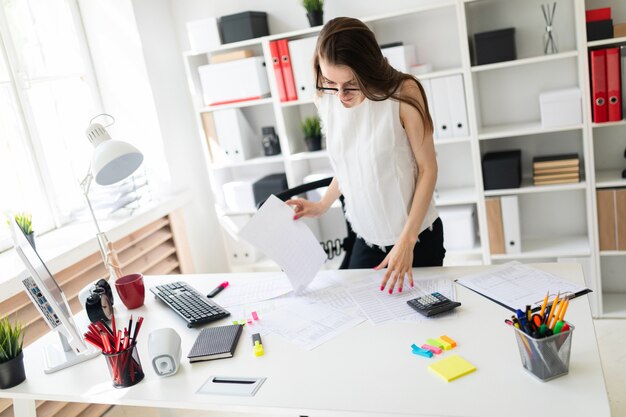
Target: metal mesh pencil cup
column 125, row 367
column 546, row 358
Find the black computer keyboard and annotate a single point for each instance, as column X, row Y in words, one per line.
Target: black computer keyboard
column 188, row 303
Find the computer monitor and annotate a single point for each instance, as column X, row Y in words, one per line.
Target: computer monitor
column 49, row 299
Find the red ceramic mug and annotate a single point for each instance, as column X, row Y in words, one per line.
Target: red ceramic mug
column 131, row 290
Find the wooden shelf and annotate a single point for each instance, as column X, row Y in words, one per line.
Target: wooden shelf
column 528, row 188
column 614, row 305
column 609, row 124
column 302, row 156
column 550, row 247
column 259, row 160
column 525, row 61
column 237, row 105
column 608, row 41
column 521, row 129
column 610, row 178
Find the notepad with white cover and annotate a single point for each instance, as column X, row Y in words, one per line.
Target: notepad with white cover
column 215, row 343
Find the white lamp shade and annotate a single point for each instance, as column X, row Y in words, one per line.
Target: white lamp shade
column 114, row 160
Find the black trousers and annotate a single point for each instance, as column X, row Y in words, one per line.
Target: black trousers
column 428, row 251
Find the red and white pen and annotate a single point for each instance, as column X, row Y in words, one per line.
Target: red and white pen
column 218, row 289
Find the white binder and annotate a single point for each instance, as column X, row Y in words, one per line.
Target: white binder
column 301, row 52
column 235, row 135
column 456, row 100
column 439, row 90
column 511, row 223
column 429, row 98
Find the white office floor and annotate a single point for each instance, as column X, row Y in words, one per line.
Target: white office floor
column 611, row 336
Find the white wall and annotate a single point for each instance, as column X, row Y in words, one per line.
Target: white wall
column 139, row 70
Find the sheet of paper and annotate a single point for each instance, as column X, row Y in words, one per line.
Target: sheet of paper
column 380, row 306
column 307, row 324
column 516, row 285
column 291, row 244
column 260, row 289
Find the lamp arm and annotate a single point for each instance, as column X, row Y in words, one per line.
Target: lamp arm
column 109, row 256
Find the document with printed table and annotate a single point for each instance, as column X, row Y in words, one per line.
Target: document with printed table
column 215, row 343
column 515, row 285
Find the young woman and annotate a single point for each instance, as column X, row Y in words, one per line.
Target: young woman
column 379, row 139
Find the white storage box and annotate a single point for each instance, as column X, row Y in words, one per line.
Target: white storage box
column 401, row 57
column 234, row 81
column 561, row 107
column 459, row 227
column 239, row 195
column 239, row 251
column 203, row 34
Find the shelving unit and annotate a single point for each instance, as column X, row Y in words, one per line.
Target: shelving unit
column 559, row 222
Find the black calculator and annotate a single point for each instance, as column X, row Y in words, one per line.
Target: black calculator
column 432, row 304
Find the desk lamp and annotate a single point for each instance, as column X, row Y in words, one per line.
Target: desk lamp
column 112, row 161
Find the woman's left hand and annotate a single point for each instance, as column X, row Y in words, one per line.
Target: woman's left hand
column 399, row 262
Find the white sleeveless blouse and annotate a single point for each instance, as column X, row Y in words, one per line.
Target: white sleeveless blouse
column 374, row 164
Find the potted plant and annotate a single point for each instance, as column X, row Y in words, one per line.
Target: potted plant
column 314, row 11
column 11, row 355
column 25, row 222
column 312, row 133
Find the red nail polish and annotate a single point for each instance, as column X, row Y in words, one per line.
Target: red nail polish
column 411, row 285
column 400, row 289
column 382, row 287
column 390, row 290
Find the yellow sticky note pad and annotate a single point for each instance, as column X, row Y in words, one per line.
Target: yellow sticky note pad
column 451, row 368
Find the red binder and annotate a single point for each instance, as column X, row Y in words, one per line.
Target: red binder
column 598, row 85
column 280, row 80
column 613, row 88
column 285, row 62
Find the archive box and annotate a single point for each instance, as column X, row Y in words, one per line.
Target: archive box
column 234, row 81
column 561, row 107
column 495, row 46
column 502, row 169
column 242, row 26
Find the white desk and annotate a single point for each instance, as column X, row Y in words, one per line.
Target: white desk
column 368, row 371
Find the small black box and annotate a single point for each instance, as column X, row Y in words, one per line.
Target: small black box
column 600, row 29
column 502, row 169
column 242, row 26
column 495, row 46
column 266, row 186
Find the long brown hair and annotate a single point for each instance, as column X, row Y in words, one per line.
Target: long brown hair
column 348, row 41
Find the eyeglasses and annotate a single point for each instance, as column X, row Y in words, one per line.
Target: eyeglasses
column 347, row 92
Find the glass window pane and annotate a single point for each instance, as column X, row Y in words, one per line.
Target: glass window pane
column 19, row 188
column 62, row 112
column 44, row 37
column 4, row 70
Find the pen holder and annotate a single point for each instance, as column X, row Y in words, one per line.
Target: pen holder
column 125, row 367
column 545, row 358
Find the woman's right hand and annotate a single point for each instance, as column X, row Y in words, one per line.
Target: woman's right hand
column 306, row 208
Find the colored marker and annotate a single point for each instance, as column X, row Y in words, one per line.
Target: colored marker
column 218, row 289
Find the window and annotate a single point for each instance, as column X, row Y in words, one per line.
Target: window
column 48, row 95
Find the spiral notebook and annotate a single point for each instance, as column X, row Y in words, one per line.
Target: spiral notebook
column 215, row 343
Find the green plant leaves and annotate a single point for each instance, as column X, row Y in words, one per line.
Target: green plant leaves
column 25, row 222
column 311, row 127
column 313, row 5
column 11, row 340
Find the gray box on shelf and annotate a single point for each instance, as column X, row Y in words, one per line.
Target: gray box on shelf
column 495, row 46
column 502, row 169
column 459, row 226
column 561, row 107
column 243, row 26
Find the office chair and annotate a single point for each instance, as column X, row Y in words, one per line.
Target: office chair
column 331, row 247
